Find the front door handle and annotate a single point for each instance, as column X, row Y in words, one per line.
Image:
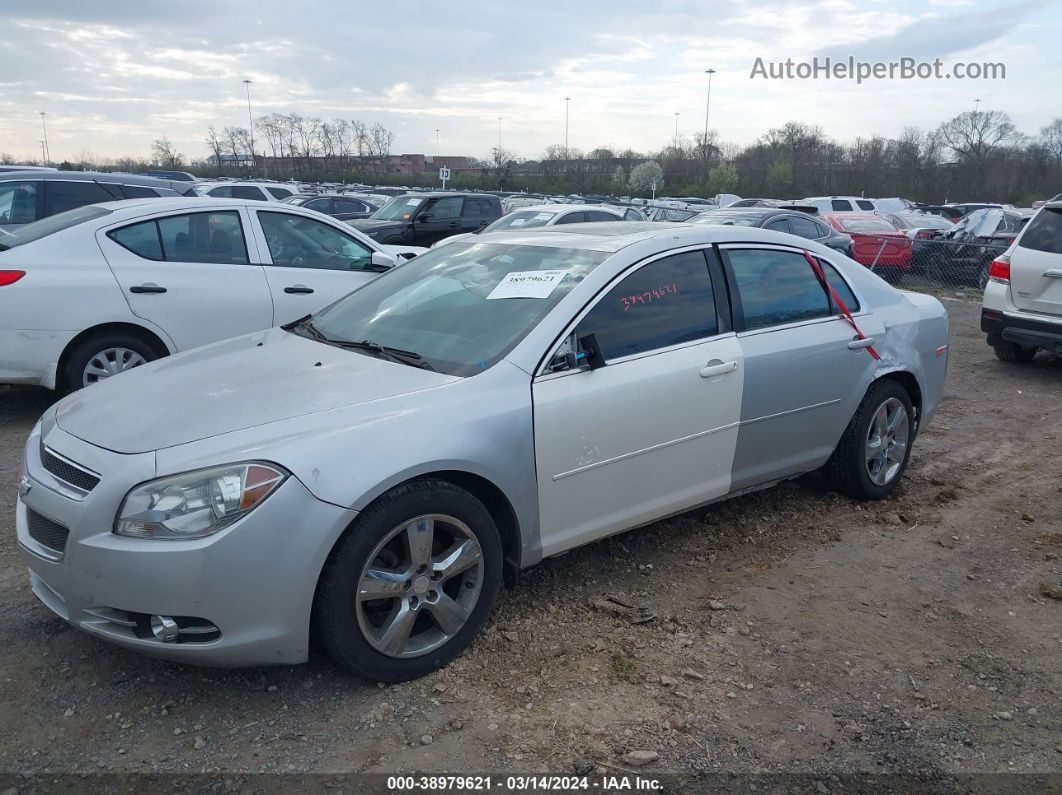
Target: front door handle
column 859, row 345
column 146, row 288
column 1054, row 273
column 298, row 289
column 716, row 367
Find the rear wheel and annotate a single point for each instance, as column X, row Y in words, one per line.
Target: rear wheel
column 411, row 583
column 1011, row 352
column 103, row 356
column 875, row 448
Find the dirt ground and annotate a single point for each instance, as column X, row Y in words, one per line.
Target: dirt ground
column 795, row 631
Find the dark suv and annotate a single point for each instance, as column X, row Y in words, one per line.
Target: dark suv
column 420, row 219
column 28, row 196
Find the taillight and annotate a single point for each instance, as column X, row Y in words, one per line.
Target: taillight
column 10, row 277
column 999, row 270
column 923, row 234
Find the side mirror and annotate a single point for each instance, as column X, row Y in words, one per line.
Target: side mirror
column 591, row 351
column 423, row 218
column 381, row 261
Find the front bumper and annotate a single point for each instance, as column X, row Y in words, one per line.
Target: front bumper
column 1025, row 331
column 253, row 581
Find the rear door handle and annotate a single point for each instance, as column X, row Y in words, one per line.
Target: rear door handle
column 720, row 368
column 146, row 288
column 298, row 289
column 859, row 345
column 1054, row 273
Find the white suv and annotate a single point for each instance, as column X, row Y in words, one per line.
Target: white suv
column 1022, row 310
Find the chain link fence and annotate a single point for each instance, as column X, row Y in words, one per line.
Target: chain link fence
column 929, row 264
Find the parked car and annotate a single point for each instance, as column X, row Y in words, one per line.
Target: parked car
column 953, row 212
column 107, row 287
column 1022, row 308
column 253, row 191
column 877, row 244
column 840, row 204
column 176, row 176
column 675, row 215
column 425, row 218
column 965, row 252
column 343, row 208
column 755, row 203
column 551, row 215
column 796, row 223
column 26, row 197
column 371, row 473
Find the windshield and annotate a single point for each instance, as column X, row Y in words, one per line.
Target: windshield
column 51, row 225
column 461, row 307
column 520, row 219
column 400, row 208
column 727, row 219
column 867, row 225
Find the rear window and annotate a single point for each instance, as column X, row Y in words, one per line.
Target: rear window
column 1044, row 232
column 49, row 226
column 866, row 225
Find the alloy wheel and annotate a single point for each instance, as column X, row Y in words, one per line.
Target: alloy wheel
column 419, row 586
column 886, row 443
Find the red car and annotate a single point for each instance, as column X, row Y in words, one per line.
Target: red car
column 875, row 242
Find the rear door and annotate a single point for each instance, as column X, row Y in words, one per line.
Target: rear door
column 193, row 274
column 443, row 218
column 802, row 381
column 1036, row 263
column 308, row 263
column 475, row 214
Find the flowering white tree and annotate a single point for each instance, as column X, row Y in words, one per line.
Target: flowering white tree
column 644, row 176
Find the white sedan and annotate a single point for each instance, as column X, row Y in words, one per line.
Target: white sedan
column 104, row 288
column 551, row 215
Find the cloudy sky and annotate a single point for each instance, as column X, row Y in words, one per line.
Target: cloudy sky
column 112, row 76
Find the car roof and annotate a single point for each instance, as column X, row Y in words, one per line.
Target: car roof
column 852, row 214
column 557, row 208
column 116, row 177
column 137, row 207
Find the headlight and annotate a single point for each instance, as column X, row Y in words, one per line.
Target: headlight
column 196, row 504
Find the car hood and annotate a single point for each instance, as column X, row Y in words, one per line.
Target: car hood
column 368, row 225
column 453, row 239
column 239, row 383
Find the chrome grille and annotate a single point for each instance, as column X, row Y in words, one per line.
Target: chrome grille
column 46, row 532
column 68, row 472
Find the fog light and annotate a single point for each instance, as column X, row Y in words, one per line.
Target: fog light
column 165, row 629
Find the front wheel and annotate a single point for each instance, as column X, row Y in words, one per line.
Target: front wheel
column 874, row 450
column 411, row 583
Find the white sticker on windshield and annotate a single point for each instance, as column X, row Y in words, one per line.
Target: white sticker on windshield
column 518, row 222
column 413, row 202
column 543, row 216
column 527, row 284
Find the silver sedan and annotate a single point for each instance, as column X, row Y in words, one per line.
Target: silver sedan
column 384, row 464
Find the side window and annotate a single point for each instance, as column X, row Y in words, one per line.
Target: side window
column 778, row 225
column 572, row 218
column 296, row 241
column 445, row 209
column 203, row 237
column 865, row 205
column 632, row 215
column 473, row 209
column 777, row 287
column 280, row 193
column 221, row 192
column 139, row 192
column 18, row 202
column 597, row 215
column 663, row 303
column 247, row 192
column 348, row 206
column 805, row 227
column 841, row 205
column 60, row 196
column 841, row 287
column 320, row 205
column 1044, row 232
column 142, row 239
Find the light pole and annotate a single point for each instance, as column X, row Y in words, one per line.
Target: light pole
column 567, row 103
column 499, row 132
column 43, row 155
column 250, row 124
column 47, row 149
column 676, row 129
column 977, row 104
column 436, row 143
column 707, row 107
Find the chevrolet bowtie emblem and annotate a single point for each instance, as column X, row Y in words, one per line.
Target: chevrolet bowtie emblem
column 24, row 487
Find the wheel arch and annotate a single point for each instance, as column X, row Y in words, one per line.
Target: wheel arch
column 142, row 333
column 910, row 384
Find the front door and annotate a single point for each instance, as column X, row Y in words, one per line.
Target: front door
column 310, row 263
column 651, row 432
column 190, row 275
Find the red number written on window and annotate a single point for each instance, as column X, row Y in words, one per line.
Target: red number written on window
column 649, row 296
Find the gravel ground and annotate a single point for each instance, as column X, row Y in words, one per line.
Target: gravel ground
column 793, row 631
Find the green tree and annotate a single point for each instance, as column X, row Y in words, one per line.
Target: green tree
column 619, row 181
column 722, row 179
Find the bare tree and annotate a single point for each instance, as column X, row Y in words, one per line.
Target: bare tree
column 1051, row 138
column 163, row 150
column 216, row 144
column 975, row 135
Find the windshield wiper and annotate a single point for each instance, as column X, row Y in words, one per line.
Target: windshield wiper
column 306, row 323
column 412, row 358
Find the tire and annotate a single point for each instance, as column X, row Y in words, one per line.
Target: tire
column 105, row 352
column 354, row 629
column 850, row 469
column 1014, row 353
